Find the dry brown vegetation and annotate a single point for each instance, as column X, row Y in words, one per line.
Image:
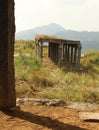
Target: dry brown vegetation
column 54, row 82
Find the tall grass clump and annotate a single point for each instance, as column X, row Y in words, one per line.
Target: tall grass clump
column 90, row 62
column 26, row 65
column 73, row 86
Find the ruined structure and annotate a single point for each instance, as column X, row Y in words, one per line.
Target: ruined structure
column 60, row 50
column 7, row 33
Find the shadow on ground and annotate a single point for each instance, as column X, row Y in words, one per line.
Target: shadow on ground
column 43, row 121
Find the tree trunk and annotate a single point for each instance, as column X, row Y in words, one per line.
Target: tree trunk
column 7, row 34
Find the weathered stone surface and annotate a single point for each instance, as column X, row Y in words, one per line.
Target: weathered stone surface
column 82, row 106
column 89, row 115
column 48, row 102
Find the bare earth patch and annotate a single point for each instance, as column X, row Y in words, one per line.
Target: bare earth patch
column 41, row 117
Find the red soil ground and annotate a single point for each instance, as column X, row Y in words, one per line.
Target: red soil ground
column 31, row 117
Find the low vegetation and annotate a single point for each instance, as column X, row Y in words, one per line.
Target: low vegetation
column 55, row 82
column 45, row 36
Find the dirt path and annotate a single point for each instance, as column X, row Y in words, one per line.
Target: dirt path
column 32, row 117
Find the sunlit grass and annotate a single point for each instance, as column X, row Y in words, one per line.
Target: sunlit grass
column 58, row 82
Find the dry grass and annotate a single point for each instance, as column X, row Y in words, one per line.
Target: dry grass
column 45, row 36
column 60, row 83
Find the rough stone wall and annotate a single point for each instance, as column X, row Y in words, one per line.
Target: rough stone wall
column 7, row 33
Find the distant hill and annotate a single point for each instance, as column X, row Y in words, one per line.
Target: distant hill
column 79, row 35
column 89, row 40
column 47, row 29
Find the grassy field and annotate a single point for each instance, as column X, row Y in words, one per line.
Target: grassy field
column 56, row 82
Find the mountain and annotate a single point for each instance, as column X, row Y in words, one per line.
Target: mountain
column 47, row 29
column 78, row 35
column 89, row 40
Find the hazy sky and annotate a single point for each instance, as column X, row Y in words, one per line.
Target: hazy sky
column 81, row 15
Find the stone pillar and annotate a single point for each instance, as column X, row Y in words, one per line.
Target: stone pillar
column 37, row 50
column 68, row 53
column 78, row 56
column 53, row 51
column 65, row 53
column 7, row 35
column 60, row 53
column 71, row 53
column 75, row 55
column 40, row 50
column 57, row 51
column 48, row 49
